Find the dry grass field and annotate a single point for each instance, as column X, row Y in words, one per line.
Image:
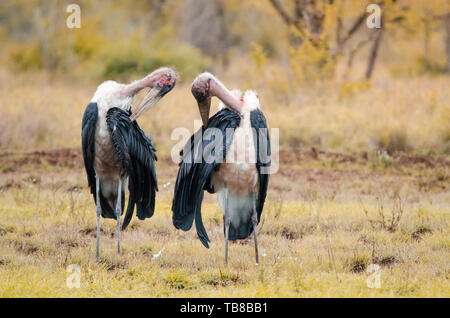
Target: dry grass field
column 329, row 214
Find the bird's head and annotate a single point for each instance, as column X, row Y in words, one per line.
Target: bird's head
column 159, row 83
column 207, row 85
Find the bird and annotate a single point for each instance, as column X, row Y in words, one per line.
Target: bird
column 229, row 155
column 158, row 255
column 117, row 153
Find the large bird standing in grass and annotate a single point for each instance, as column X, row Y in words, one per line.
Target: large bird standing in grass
column 116, row 151
column 229, row 155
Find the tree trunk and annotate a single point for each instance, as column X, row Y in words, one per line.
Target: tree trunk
column 426, row 45
column 374, row 53
column 447, row 40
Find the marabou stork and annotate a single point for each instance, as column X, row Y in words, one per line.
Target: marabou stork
column 238, row 169
column 116, row 151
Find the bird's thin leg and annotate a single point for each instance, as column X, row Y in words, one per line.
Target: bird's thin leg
column 99, row 212
column 227, row 222
column 119, row 212
column 255, row 226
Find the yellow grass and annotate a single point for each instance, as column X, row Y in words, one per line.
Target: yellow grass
column 413, row 115
column 310, row 246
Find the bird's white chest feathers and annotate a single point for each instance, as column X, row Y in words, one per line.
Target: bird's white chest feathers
column 242, row 150
column 239, row 172
column 108, row 96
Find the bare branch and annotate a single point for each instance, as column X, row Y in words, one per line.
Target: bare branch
column 357, row 24
column 358, row 47
column 279, row 7
column 354, row 27
column 441, row 16
column 341, row 40
column 290, row 21
column 299, row 7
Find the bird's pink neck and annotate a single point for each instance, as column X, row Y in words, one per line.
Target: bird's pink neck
column 226, row 97
column 135, row 87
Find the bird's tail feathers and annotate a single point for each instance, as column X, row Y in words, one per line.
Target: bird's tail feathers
column 201, row 231
column 108, row 203
column 129, row 214
column 183, row 223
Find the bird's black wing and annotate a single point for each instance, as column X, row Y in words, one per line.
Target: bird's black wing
column 136, row 152
column 199, row 158
column 88, row 143
column 263, row 161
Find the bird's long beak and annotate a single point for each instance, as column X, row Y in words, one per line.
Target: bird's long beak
column 204, row 107
column 150, row 99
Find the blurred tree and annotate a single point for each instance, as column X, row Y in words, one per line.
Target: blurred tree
column 308, row 18
column 313, row 36
column 445, row 18
column 374, row 52
column 203, row 26
column 423, row 17
column 44, row 18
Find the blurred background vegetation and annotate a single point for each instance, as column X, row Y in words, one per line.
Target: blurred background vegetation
column 324, row 78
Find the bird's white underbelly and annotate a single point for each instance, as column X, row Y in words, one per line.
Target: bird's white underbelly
column 240, row 206
column 238, row 173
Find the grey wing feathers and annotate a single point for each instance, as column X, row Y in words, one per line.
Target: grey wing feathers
column 263, row 156
column 194, row 172
column 136, row 152
column 88, row 143
column 88, row 131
